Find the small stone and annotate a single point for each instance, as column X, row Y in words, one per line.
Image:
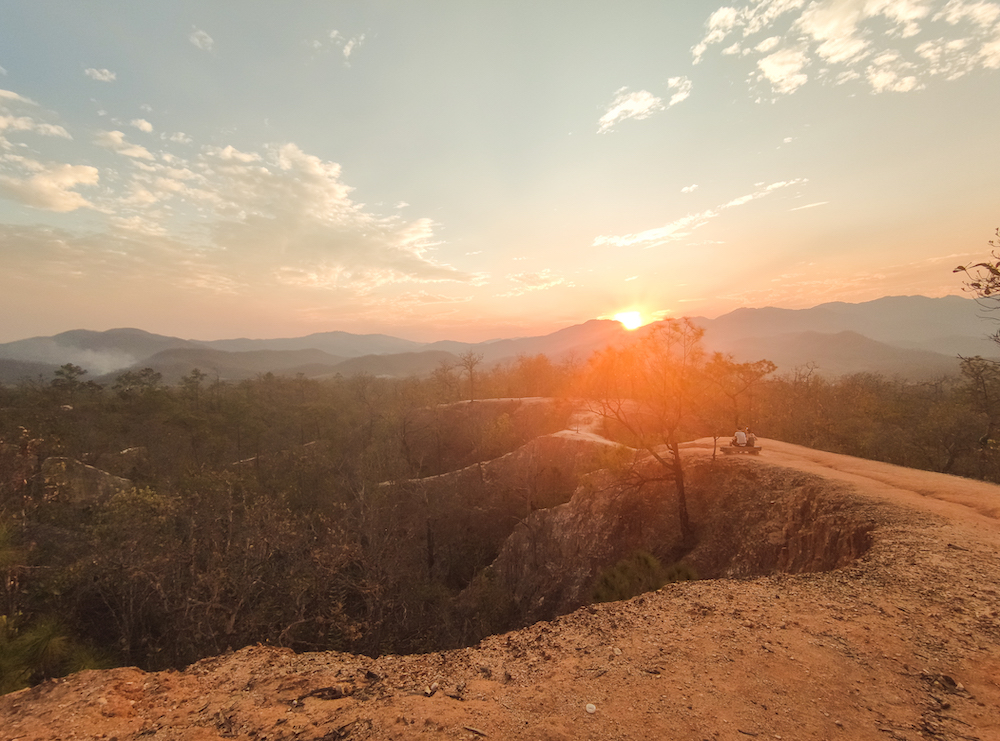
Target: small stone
column 591, row 708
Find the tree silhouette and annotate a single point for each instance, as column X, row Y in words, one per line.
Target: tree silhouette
column 468, row 362
column 647, row 389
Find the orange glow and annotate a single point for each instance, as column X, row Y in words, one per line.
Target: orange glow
column 630, row 319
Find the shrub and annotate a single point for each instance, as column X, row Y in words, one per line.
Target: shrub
column 641, row 572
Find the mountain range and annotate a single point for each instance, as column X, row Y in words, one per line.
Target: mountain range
column 912, row 337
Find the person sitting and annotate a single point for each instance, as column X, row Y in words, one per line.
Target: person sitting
column 751, row 438
column 740, row 439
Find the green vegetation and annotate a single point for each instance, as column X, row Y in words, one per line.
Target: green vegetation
column 639, row 573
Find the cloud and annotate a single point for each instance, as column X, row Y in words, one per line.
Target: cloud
column 887, row 72
column 10, row 95
column 689, row 188
column 26, row 123
column 287, row 216
column 720, row 23
column 353, row 44
column 201, row 39
column 19, row 114
column 3, row 72
column 784, row 70
column 871, row 40
column 638, row 105
column 533, row 281
column 115, row 141
column 683, row 87
column 50, row 187
column 809, row 205
column 101, row 75
column 218, row 218
column 682, row 227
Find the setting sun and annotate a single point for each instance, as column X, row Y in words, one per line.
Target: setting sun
column 630, row 319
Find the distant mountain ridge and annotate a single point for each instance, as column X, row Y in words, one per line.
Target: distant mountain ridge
column 908, row 336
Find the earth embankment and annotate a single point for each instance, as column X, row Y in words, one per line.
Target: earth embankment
column 811, row 630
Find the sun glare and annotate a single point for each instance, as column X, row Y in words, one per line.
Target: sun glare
column 630, row 319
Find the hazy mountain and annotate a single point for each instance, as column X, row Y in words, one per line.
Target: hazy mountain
column 230, row 366
column 98, row 352
column 951, row 325
column 911, row 336
column 398, row 365
column 580, row 340
column 841, row 353
column 344, row 344
column 15, row 371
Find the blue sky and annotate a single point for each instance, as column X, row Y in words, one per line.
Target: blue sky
column 474, row 170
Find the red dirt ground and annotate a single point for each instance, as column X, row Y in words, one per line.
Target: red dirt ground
column 902, row 644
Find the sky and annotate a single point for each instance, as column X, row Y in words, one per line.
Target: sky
column 471, row 170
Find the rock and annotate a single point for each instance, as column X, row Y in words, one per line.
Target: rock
column 69, row 481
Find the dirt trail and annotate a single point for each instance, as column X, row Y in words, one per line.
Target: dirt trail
column 902, row 644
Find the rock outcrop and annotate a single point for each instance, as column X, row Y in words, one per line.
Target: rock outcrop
column 751, row 519
column 68, row 481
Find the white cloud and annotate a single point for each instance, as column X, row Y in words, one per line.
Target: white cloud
column 689, row 189
column 14, row 118
column 353, row 44
column 101, row 75
column 142, row 124
column 783, row 70
column 809, row 205
column 682, row 227
column 682, row 85
column 638, row 105
column 928, row 38
column 290, row 213
column 887, row 73
column 767, row 44
column 201, row 39
column 26, row 123
column 250, row 219
column 10, row 95
column 115, row 141
column 50, row 187
column 533, row 281
column 720, row 23
column 982, row 14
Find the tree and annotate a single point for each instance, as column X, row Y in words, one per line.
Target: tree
column 67, row 381
column 984, row 278
column 468, row 362
column 736, row 380
column 647, row 389
column 191, row 385
column 138, row 383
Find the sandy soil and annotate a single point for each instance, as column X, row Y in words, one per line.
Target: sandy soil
column 902, row 644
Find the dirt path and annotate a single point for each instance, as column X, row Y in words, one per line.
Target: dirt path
column 902, row 644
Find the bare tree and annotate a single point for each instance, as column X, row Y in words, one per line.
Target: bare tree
column 468, row 362
column 647, row 390
column 984, row 279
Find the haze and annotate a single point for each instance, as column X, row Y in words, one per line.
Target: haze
column 466, row 171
